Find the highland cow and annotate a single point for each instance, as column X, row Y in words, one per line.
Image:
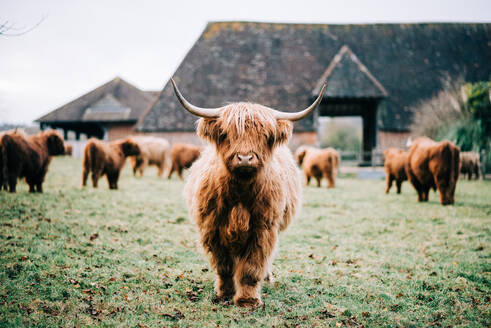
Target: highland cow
column 434, row 165
column 469, row 164
column 68, row 149
column 395, row 168
column 318, row 163
column 28, row 157
column 242, row 191
column 182, row 157
column 154, row 151
column 103, row 158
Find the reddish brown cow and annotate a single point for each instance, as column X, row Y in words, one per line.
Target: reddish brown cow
column 102, row 158
column 434, row 165
column 395, row 168
column 318, row 163
column 29, row 158
column 242, row 191
column 182, row 157
column 469, row 164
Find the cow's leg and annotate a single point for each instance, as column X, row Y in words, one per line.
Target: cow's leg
column 399, row 185
column 330, row 179
column 179, row 173
column 416, row 185
column 318, row 178
column 224, row 284
column 39, row 187
column 252, row 267
column 446, row 192
column 171, row 170
column 12, row 183
column 142, row 166
column 426, row 192
column 223, row 263
column 85, row 174
column 388, row 182
column 95, row 178
column 112, row 180
column 160, row 169
column 307, row 179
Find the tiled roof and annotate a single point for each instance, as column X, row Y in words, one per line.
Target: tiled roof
column 280, row 65
column 117, row 100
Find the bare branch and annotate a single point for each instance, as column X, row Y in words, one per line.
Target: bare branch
column 5, row 28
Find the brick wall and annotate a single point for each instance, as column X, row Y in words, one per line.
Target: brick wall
column 115, row 132
column 392, row 139
column 303, row 138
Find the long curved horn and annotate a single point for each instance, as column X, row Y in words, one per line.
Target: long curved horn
column 198, row 111
column 299, row 115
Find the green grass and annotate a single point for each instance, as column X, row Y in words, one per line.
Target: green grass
column 353, row 257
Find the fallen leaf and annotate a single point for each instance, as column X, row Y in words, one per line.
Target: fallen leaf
column 93, row 236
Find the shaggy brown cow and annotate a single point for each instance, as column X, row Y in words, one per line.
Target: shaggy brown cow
column 469, row 164
column 242, row 191
column 68, row 149
column 103, row 158
column 395, row 168
column 183, row 156
column 318, row 163
column 29, row 157
column 434, row 165
column 154, row 151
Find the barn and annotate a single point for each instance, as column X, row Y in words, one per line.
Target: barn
column 374, row 71
column 108, row 112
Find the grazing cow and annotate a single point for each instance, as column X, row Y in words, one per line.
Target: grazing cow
column 103, row 158
column 434, row 165
column 154, row 151
column 395, row 168
column 28, row 157
column 318, row 163
column 469, row 164
column 242, row 191
column 183, row 155
column 68, row 149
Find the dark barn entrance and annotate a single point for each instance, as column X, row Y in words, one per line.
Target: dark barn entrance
column 365, row 108
column 352, row 91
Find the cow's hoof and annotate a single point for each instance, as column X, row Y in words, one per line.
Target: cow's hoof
column 269, row 278
column 224, row 298
column 250, row 302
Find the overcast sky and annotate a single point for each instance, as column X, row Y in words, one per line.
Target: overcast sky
column 83, row 44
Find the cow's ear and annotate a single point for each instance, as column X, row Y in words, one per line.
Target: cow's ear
column 283, row 131
column 209, row 129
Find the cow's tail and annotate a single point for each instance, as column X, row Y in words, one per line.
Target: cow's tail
column 451, row 157
column 89, row 157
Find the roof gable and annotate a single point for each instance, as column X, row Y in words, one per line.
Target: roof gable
column 347, row 77
column 107, row 109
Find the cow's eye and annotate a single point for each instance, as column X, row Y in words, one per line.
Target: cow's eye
column 222, row 137
column 271, row 141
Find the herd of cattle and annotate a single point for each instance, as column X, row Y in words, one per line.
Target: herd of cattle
column 427, row 165
column 430, row 165
column 28, row 157
column 243, row 190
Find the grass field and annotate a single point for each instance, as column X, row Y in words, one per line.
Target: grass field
column 354, row 257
